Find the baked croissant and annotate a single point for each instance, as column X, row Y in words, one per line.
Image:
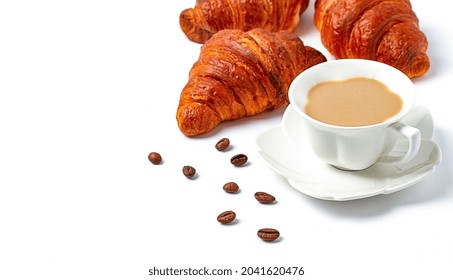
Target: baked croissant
column 210, row 16
column 383, row 30
column 241, row 74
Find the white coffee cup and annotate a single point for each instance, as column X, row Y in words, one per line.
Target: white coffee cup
column 357, row 147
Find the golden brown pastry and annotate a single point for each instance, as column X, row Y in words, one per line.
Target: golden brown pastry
column 241, row 74
column 382, row 30
column 210, row 16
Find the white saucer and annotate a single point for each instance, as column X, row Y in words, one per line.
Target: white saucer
column 309, row 175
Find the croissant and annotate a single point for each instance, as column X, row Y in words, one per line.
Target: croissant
column 241, row 74
column 210, row 16
column 383, row 30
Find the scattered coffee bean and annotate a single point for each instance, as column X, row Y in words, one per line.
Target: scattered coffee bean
column 226, row 217
column 223, row 144
column 268, row 234
column 189, row 171
column 264, row 197
column 155, row 158
column 239, row 159
column 231, row 187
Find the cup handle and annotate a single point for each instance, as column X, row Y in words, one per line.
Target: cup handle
column 413, row 136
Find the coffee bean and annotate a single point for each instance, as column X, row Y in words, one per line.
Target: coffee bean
column 231, row 187
column 264, row 197
column 239, row 159
column 155, row 158
column 223, row 144
column 268, row 234
column 189, row 171
column 226, row 217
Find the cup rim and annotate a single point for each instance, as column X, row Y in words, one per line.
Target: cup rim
column 408, row 105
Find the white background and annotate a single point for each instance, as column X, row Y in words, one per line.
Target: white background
column 89, row 88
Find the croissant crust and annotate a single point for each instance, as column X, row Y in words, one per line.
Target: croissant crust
column 240, row 74
column 210, row 16
column 383, row 30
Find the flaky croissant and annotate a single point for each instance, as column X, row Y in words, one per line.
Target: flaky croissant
column 210, row 16
column 383, row 30
column 241, row 74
